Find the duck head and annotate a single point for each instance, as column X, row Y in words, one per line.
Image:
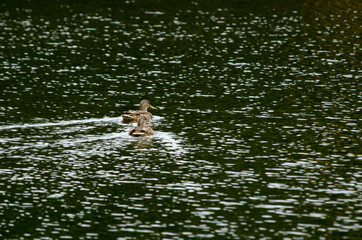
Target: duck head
column 144, row 105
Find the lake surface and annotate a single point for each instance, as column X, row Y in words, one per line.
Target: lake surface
column 257, row 126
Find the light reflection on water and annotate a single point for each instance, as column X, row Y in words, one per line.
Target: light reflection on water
column 256, row 129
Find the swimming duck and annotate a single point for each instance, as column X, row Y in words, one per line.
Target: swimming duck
column 133, row 115
column 141, row 130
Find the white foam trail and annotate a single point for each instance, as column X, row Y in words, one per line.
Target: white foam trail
column 62, row 123
column 171, row 141
column 86, row 139
column 69, row 122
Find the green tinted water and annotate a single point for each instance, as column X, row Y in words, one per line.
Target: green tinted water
column 257, row 126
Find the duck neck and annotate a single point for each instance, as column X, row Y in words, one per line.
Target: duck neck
column 142, row 123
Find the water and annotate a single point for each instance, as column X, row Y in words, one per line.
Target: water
column 257, row 126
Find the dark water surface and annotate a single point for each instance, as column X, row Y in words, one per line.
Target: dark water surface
column 257, row 126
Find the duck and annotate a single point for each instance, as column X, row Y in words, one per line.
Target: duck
column 141, row 130
column 134, row 115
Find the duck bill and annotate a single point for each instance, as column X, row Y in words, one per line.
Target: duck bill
column 152, row 107
column 148, row 123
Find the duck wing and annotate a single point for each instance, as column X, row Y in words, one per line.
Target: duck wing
column 132, row 130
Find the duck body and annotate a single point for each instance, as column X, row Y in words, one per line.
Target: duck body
column 135, row 115
column 141, row 130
